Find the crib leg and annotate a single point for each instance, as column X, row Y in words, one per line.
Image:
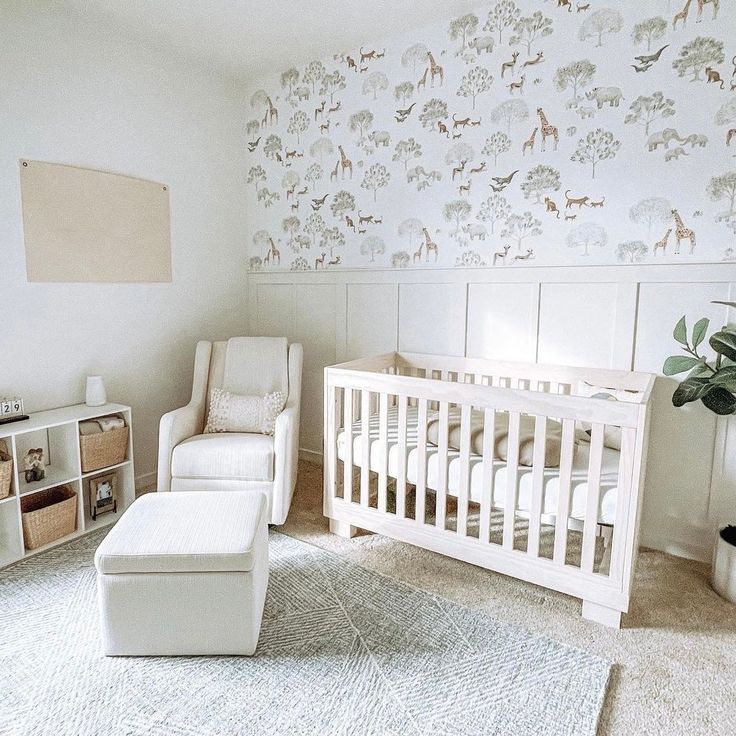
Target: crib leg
column 602, row 614
column 342, row 529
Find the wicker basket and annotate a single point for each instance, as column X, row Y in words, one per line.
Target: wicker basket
column 48, row 515
column 6, row 470
column 103, row 449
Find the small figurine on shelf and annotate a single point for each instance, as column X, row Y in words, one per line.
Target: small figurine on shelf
column 33, row 465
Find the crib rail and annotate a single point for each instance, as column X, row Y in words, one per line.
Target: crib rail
column 385, row 474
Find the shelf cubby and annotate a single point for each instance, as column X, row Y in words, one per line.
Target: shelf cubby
column 57, row 433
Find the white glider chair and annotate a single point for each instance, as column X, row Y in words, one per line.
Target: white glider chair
column 189, row 460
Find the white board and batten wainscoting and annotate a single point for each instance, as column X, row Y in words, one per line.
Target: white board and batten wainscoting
column 601, row 316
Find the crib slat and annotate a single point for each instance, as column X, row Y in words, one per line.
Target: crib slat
column 401, row 470
column 421, row 488
column 623, row 500
column 382, row 451
column 365, row 443
column 535, row 509
column 567, row 452
column 512, row 480
column 347, row 466
column 486, row 501
column 592, row 502
column 331, row 470
column 463, row 494
column 442, row 466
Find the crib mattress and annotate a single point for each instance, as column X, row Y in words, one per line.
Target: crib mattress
column 579, row 484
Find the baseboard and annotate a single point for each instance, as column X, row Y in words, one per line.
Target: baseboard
column 310, row 456
column 146, row 480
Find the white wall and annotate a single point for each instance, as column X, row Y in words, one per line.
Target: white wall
column 74, row 92
column 605, row 316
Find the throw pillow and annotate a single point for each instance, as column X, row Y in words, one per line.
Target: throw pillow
column 234, row 413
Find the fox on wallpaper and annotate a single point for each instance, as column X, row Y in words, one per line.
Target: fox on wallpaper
column 546, row 133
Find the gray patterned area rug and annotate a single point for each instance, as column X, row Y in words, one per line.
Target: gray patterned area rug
column 342, row 651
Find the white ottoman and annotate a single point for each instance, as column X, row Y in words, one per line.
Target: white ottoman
column 185, row 573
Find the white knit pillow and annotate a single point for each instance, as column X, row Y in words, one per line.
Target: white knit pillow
column 235, row 413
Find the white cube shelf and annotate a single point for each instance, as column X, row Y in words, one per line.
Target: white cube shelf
column 57, row 432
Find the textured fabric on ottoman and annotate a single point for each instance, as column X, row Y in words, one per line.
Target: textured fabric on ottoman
column 185, row 574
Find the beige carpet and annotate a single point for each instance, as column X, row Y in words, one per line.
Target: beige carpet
column 675, row 657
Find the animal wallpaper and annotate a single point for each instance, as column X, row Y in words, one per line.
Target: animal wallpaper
column 553, row 132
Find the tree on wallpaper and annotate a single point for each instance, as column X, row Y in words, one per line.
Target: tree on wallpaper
column 375, row 82
column 314, row 226
column 372, row 246
column 503, row 14
column 575, row 76
column 696, row 55
column 375, row 178
column 477, row 81
column 649, row 30
column 342, row 202
column 407, row 150
column 298, row 123
column 415, row 56
column 509, row 112
column 494, row 209
column 433, row 111
column 632, row 251
column 529, row 28
column 587, row 235
column 498, row 144
column 320, row 148
column 597, row 146
column 645, row 110
column 332, row 83
column 651, row 210
column 403, row 92
column 313, row 175
column 411, row 229
column 463, row 28
column 256, row 174
column 332, row 238
column 456, row 212
column 723, row 188
column 314, row 73
column 520, row 227
column 600, row 23
column 540, row 180
column 360, row 121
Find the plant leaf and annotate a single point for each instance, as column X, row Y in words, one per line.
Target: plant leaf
column 700, row 370
column 680, row 331
column 691, row 389
column 726, row 304
column 699, row 330
column 725, row 377
column 724, row 343
column 720, row 401
column 679, row 364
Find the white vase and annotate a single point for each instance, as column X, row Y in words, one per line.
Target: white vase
column 723, row 576
column 96, row 394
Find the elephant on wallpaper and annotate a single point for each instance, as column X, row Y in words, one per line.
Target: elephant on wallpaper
column 663, row 138
column 603, row 95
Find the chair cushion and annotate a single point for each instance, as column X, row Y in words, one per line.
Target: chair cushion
column 235, row 455
column 198, row 531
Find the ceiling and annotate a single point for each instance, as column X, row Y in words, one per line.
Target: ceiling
column 250, row 39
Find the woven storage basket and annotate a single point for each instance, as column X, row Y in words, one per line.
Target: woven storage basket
column 6, row 470
column 48, row 515
column 103, row 449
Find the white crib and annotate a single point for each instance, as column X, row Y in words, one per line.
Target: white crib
column 571, row 526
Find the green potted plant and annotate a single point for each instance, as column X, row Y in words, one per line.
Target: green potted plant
column 712, row 382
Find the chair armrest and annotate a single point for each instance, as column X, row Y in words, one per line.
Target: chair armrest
column 175, row 427
column 286, row 459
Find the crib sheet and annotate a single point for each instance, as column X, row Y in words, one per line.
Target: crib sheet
column 579, row 485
